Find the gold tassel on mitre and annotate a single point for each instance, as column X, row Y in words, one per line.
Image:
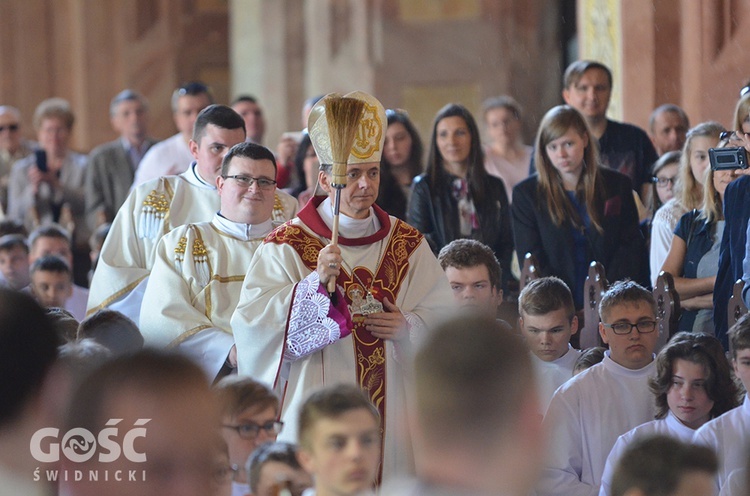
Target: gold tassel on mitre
column 153, row 212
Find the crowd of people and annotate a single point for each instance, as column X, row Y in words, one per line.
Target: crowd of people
column 203, row 315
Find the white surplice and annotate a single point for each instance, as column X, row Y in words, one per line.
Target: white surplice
column 152, row 210
column 668, row 426
column 584, row 419
column 729, row 436
column 195, row 285
column 552, row 375
column 290, row 336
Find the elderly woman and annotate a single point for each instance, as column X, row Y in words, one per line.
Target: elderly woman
column 47, row 186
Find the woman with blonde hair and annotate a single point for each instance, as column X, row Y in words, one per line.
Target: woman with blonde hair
column 574, row 211
column 693, row 258
column 688, row 191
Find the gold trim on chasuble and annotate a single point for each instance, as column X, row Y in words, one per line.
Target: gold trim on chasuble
column 386, row 282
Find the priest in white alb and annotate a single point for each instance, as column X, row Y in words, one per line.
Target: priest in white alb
column 292, row 334
column 198, row 270
column 156, row 207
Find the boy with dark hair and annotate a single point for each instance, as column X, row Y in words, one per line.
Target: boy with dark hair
column 28, row 350
column 729, row 434
column 158, row 206
column 53, row 239
column 664, row 466
column 249, row 413
column 275, row 466
column 474, row 274
column 547, row 320
column 14, row 261
column 112, row 330
column 339, row 437
column 51, row 281
column 613, row 396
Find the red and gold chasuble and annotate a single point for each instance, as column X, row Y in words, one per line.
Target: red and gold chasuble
column 384, row 283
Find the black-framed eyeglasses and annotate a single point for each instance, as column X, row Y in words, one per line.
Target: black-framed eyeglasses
column 10, row 127
column 662, row 182
column 621, row 328
column 247, row 181
column 249, row 431
column 192, row 89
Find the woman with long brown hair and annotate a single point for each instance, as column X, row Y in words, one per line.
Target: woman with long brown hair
column 455, row 197
column 573, row 211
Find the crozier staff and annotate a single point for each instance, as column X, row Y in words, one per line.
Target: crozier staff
column 390, row 288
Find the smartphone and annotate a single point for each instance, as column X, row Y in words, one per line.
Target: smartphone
column 41, row 160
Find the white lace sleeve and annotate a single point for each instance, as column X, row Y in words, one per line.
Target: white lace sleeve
column 310, row 328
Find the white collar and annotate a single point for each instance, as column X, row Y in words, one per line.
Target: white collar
column 624, row 371
column 348, row 227
column 195, row 179
column 245, row 232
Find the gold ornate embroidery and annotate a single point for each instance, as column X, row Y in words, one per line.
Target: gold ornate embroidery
column 367, row 140
column 278, row 209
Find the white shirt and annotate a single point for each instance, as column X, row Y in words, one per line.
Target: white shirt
column 166, row 158
column 668, row 426
column 729, row 436
column 76, row 304
column 552, row 375
column 584, row 419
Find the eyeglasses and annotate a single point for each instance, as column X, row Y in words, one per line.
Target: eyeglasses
column 10, row 127
column 621, row 328
column 250, row 431
column 247, row 181
column 662, row 182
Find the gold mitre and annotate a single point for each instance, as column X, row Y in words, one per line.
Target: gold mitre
column 368, row 144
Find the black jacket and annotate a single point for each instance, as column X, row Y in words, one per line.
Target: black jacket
column 436, row 216
column 619, row 248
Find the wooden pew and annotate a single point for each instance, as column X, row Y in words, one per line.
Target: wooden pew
column 667, row 308
column 736, row 307
column 528, row 271
column 593, row 290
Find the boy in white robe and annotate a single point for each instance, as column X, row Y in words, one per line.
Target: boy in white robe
column 291, row 334
column 589, row 412
column 198, row 270
column 729, row 435
column 156, row 207
column 547, row 318
column 693, row 384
